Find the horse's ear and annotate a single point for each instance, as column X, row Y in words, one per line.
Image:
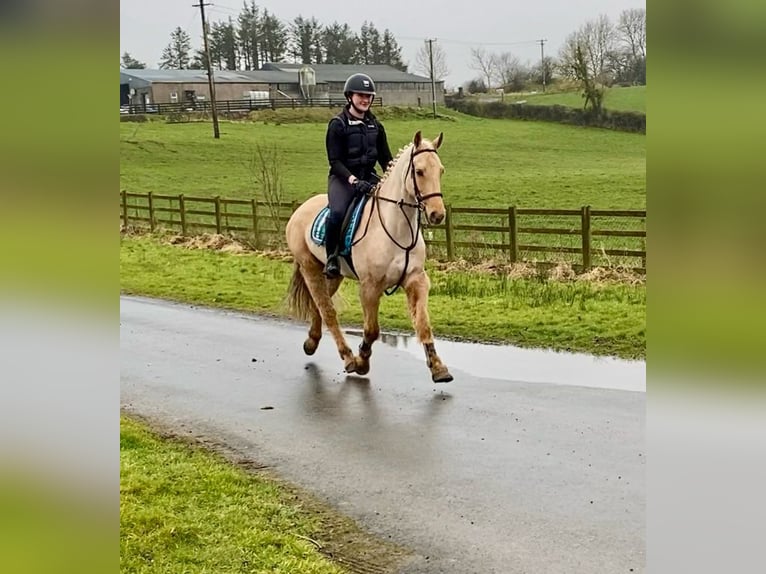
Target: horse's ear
column 418, row 138
column 438, row 141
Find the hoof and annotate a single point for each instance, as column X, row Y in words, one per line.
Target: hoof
column 310, row 346
column 441, row 375
column 362, row 367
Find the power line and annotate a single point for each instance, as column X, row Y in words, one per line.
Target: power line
column 468, row 43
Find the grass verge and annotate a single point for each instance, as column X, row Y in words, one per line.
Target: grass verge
column 601, row 318
column 186, row 509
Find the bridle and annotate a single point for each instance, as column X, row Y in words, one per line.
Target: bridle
column 420, row 206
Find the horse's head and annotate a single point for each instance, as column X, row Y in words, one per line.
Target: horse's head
column 423, row 180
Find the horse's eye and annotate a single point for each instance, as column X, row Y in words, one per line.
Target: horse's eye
column 420, row 172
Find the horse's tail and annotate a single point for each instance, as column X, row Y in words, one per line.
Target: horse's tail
column 299, row 301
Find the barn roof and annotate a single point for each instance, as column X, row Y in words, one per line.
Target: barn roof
column 271, row 73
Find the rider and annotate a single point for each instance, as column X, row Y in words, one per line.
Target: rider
column 355, row 141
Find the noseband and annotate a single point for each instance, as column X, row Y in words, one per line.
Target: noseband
column 411, row 169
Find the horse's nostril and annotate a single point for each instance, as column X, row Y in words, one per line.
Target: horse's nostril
column 436, row 218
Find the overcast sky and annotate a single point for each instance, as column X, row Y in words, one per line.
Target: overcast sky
column 496, row 25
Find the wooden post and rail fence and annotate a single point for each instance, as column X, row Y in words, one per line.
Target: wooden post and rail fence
column 584, row 237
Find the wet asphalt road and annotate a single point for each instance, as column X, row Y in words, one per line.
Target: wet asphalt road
column 485, row 475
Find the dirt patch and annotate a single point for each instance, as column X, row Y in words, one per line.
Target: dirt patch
column 339, row 538
column 213, row 241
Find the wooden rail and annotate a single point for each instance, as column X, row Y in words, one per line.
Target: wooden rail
column 583, row 237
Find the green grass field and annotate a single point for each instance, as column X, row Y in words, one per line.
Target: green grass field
column 489, row 163
column 629, row 99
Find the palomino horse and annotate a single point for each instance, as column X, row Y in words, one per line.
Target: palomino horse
column 388, row 251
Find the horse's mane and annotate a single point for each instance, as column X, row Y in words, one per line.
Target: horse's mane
column 394, row 162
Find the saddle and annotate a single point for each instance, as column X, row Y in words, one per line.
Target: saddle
column 350, row 225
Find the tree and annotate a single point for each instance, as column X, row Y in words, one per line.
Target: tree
column 176, row 55
column 631, row 31
column 630, row 60
column 596, row 40
column 368, row 44
column 484, row 63
column 512, row 73
column 223, row 46
column 391, row 53
column 273, row 38
column 306, row 40
column 339, row 44
column 423, row 62
column 199, row 61
column 593, row 94
column 130, row 63
column 549, row 65
column 248, row 36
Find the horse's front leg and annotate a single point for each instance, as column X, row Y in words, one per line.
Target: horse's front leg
column 417, row 286
column 370, row 298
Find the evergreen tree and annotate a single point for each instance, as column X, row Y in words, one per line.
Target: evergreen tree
column 391, row 53
column 274, row 38
column 223, row 46
column 339, row 44
column 306, row 41
column 130, row 63
column 176, row 56
column 248, row 36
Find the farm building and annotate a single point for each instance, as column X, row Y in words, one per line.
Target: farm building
column 274, row 81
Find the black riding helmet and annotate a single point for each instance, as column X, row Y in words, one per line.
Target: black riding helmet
column 359, row 84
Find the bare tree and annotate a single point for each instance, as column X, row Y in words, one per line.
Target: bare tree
column 513, row 75
column 597, row 41
column 484, row 63
column 423, row 63
column 631, row 31
column 264, row 166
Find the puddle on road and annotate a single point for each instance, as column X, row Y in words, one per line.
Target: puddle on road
column 528, row 365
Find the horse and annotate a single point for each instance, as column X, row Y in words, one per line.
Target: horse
column 387, row 252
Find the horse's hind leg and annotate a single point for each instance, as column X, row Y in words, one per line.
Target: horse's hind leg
column 416, row 286
column 321, row 292
column 315, row 330
column 370, row 296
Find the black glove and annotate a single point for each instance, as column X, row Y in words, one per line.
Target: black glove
column 362, row 187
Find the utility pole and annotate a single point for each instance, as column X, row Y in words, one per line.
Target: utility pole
column 542, row 61
column 433, row 80
column 210, row 80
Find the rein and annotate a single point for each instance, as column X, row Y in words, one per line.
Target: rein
column 414, row 233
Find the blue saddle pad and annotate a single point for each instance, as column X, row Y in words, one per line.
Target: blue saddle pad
column 318, row 227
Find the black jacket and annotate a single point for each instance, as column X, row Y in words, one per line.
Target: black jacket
column 355, row 146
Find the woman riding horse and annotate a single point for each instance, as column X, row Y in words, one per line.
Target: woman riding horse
column 355, row 141
column 388, row 251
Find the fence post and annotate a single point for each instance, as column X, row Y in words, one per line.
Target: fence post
column 150, row 197
column 513, row 234
column 218, row 214
column 182, row 209
column 254, row 203
column 448, row 229
column 585, row 217
column 125, row 209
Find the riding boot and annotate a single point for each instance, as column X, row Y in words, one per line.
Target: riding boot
column 332, row 268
